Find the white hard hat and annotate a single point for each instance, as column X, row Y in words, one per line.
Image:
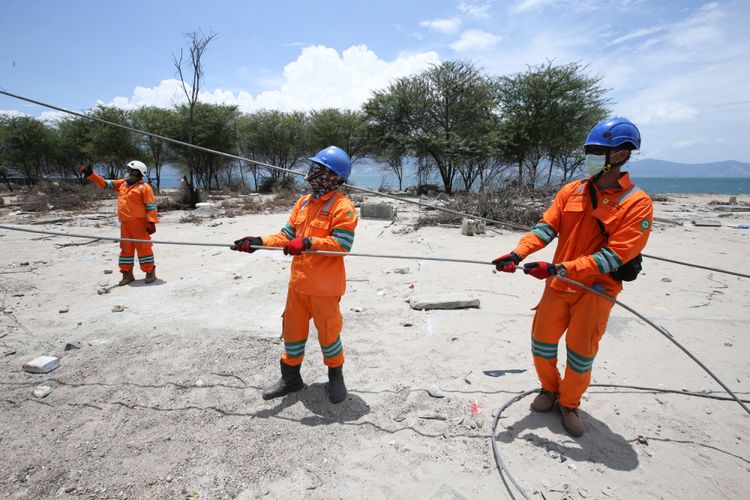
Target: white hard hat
column 138, row 165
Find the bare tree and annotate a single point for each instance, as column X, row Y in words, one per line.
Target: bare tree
column 198, row 44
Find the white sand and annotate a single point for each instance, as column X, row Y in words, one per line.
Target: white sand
column 163, row 399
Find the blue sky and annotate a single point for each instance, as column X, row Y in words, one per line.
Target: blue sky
column 679, row 69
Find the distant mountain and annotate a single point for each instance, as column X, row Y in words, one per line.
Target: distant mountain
column 662, row 168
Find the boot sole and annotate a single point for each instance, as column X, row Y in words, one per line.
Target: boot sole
column 281, row 395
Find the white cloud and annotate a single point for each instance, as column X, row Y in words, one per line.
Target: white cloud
column 475, row 40
column 320, row 77
column 53, row 117
column 475, row 9
column 528, row 5
column 12, row 113
column 662, row 112
column 639, row 33
column 448, row 26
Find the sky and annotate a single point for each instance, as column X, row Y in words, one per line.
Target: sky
column 679, row 69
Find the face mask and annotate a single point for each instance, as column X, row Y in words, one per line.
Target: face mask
column 322, row 181
column 594, row 164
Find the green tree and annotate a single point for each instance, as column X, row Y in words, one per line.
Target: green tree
column 545, row 114
column 112, row 146
column 390, row 118
column 192, row 70
column 164, row 122
column 26, row 146
column 442, row 116
column 334, row 127
column 276, row 138
column 214, row 128
column 70, row 145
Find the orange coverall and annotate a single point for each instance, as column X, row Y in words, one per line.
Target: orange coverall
column 136, row 206
column 589, row 256
column 317, row 282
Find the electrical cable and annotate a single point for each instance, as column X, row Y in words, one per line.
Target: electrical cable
column 350, row 186
column 503, row 469
column 658, row 328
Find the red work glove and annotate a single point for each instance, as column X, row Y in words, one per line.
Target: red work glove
column 297, row 245
column 150, row 227
column 542, row 270
column 507, row 263
column 86, row 170
column 243, row 244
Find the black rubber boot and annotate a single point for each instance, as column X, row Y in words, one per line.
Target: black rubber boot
column 290, row 381
column 336, row 387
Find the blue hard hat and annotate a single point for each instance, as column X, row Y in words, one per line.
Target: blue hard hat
column 334, row 159
column 614, row 132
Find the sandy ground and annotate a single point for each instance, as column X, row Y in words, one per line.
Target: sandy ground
column 163, row 399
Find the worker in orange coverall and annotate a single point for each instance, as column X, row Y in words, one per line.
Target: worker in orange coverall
column 323, row 220
column 136, row 209
column 602, row 224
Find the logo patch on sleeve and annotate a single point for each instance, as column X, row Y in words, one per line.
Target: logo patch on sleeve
column 644, row 225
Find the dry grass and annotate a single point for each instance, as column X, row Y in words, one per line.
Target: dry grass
column 521, row 207
column 62, row 195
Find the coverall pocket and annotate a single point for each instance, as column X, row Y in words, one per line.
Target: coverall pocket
column 574, row 205
column 320, row 227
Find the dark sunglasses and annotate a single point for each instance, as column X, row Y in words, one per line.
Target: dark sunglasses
column 595, row 150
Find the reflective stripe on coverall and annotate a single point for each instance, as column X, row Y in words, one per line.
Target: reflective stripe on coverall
column 136, row 206
column 627, row 214
column 317, row 282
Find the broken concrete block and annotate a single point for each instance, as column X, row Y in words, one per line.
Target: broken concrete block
column 470, row 227
column 707, row 222
column 41, row 391
column 381, row 211
column 443, row 302
column 42, row 364
column 732, row 208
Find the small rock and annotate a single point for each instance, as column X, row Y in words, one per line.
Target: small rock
column 400, row 270
column 642, row 440
column 41, row 391
column 553, row 454
column 199, row 383
column 108, row 271
column 75, row 344
column 666, row 280
column 358, row 309
column 70, row 488
column 102, row 290
column 572, row 466
column 118, row 309
column 42, row 364
column 435, row 392
column 609, row 491
column 582, row 492
column 64, row 309
column 407, row 324
column 237, row 277
column 728, row 344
